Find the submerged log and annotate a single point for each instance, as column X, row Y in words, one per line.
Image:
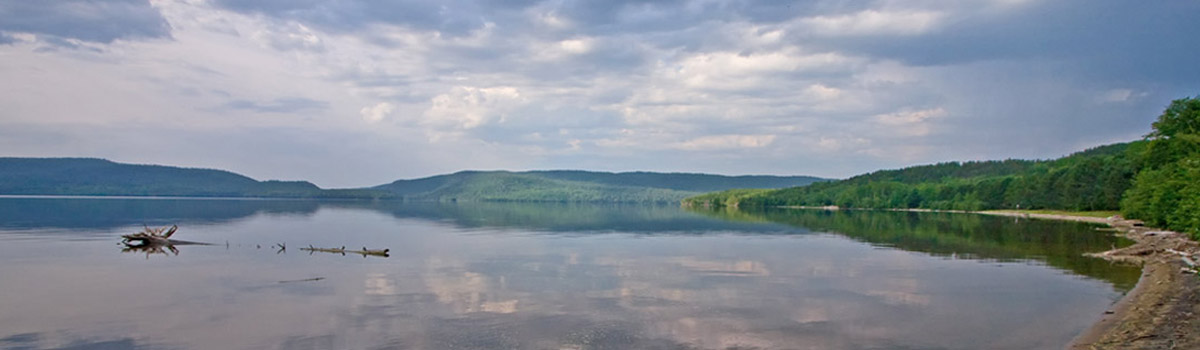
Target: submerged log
column 312, row 249
column 365, row 252
column 374, row 252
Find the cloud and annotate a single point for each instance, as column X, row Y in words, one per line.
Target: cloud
column 467, row 107
column 720, row 142
column 822, row 92
column 725, row 70
column 453, row 18
column 290, row 36
column 90, row 21
column 563, row 49
column 677, row 85
column 874, row 22
column 909, row 117
column 1120, row 96
column 833, row 144
column 279, row 105
column 378, row 112
column 910, row 123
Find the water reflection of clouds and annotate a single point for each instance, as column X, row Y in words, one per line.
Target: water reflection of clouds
column 704, row 302
column 661, row 293
column 446, row 288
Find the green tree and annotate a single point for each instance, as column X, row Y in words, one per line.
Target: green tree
column 1181, row 117
column 1166, row 192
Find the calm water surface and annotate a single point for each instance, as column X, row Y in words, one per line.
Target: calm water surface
column 524, row 276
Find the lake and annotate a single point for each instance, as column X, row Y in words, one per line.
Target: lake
column 542, row 276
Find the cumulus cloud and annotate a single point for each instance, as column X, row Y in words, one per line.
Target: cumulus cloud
column 378, row 112
column 728, row 70
column 468, row 107
column 562, row 49
column 822, row 92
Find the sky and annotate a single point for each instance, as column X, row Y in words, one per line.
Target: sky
column 352, row 93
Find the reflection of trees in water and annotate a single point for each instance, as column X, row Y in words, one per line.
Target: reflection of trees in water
column 1055, row 243
column 108, row 213
column 569, row 217
column 105, row 213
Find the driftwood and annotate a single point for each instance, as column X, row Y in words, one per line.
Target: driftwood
column 1186, row 258
column 365, row 252
column 150, row 236
column 155, row 236
column 154, row 241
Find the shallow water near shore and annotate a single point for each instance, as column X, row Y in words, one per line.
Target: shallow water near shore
column 542, row 276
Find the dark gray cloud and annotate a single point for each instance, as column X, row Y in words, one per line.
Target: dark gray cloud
column 91, row 21
column 54, row 43
column 1102, row 40
column 449, row 17
column 279, row 105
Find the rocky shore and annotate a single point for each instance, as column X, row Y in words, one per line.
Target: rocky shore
column 1162, row 311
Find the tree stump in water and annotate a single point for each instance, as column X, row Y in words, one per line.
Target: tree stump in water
column 150, row 236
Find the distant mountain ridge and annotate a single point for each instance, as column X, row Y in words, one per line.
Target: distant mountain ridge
column 578, row 186
column 100, row 177
column 94, row 176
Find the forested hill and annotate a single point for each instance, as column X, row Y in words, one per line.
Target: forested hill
column 1088, row 180
column 90, row 176
column 679, row 181
column 1156, row 179
column 578, row 186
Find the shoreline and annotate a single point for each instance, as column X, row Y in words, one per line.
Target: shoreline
column 1161, row 312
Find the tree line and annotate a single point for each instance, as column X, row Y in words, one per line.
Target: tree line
column 1156, row 179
